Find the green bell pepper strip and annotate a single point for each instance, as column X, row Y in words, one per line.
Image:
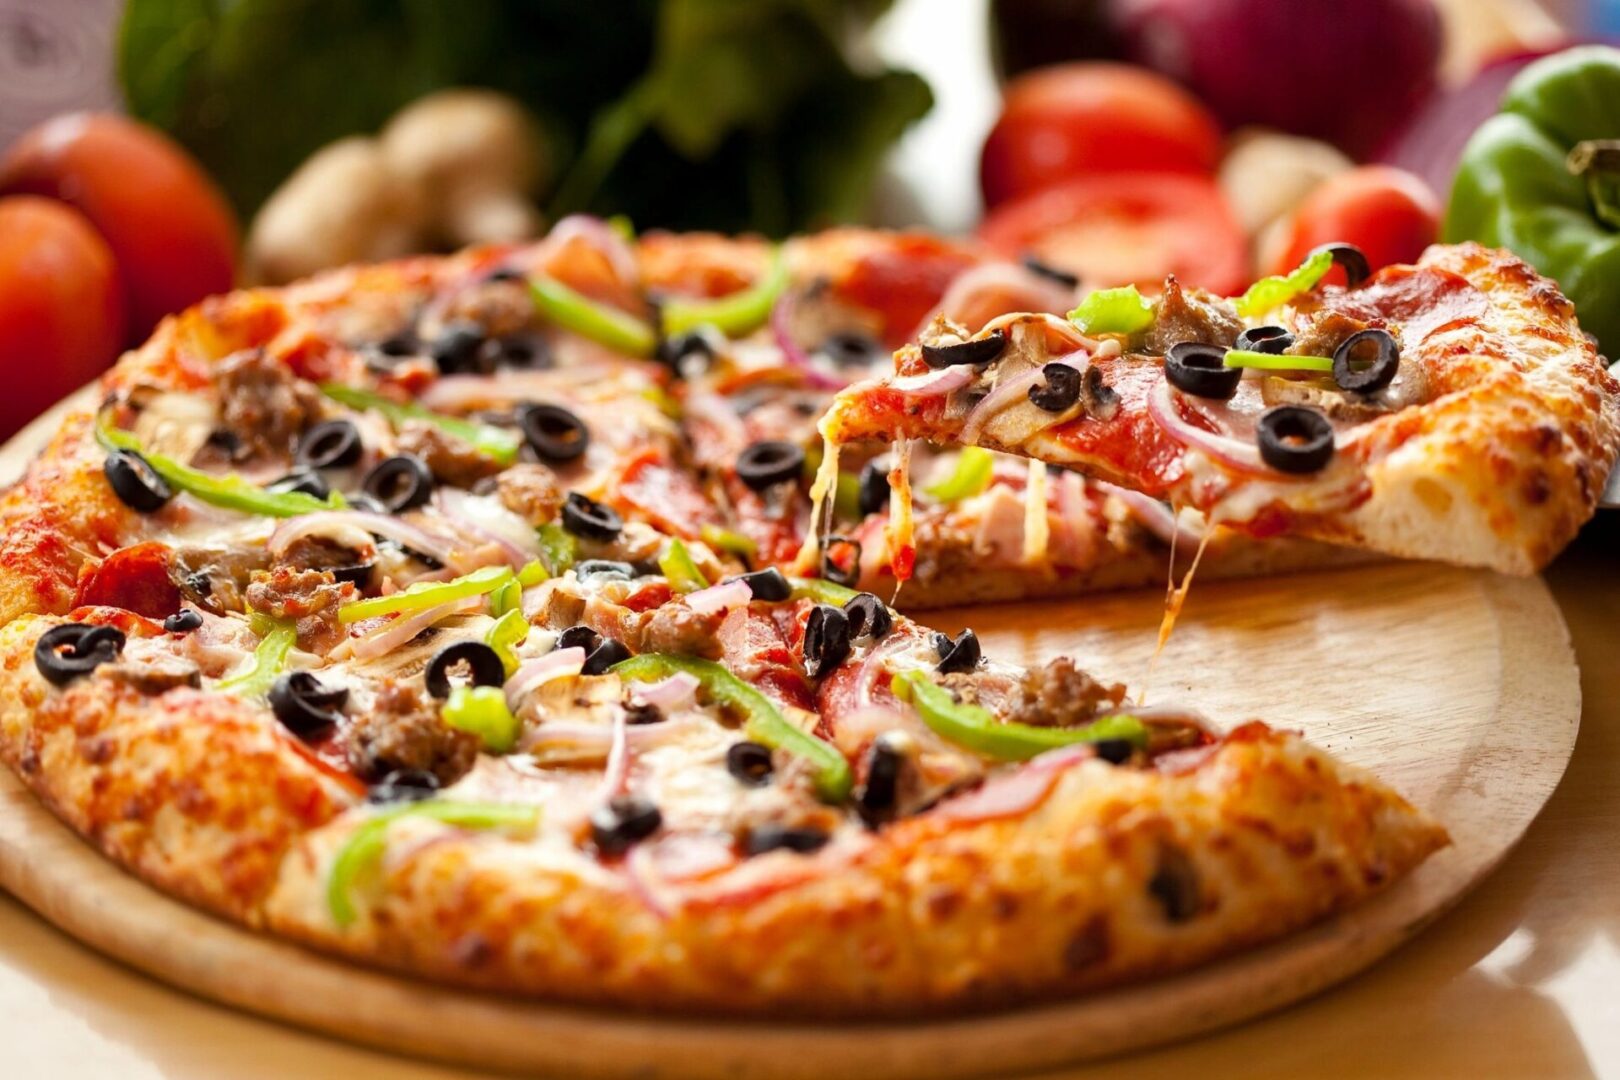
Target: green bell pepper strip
column 1243, row 358
column 532, row 574
column 498, row 443
column 677, row 565
column 558, row 548
column 822, row 591
column 977, row 728
column 727, row 540
column 364, row 848
column 426, row 594
column 506, row 598
column 733, row 315
column 1277, row 290
column 510, row 629
column 970, row 477
column 1516, row 186
column 1113, row 311
column 482, row 710
column 600, row 323
column 269, row 658
column 229, row 491
column 764, row 723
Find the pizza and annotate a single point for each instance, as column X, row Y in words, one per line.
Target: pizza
column 1450, row 410
column 430, row 614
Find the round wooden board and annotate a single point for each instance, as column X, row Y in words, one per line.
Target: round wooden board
column 1457, row 687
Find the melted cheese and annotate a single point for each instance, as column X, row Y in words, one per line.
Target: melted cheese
column 1174, row 600
column 1036, row 528
column 826, row 482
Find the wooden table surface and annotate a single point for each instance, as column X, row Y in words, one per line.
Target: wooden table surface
column 1523, row 979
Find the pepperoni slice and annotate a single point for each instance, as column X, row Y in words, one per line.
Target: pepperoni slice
column 134, row 578
column 1419, row 300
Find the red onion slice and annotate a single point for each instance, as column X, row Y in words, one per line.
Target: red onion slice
column 553, row 665
column 1162, row 406
column 676, row 692
column 400, row 630
column 1159, row 519
column 793, row 354
column 728, row 594
column 1016, row 792
column 1011, row 391
column 352, row 523
column 491, row 523
column 934, row 383
column 600, row 235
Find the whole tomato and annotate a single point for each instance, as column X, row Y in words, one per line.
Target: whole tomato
column 61, row 306
column 1073, row 120
column 170, row 228
column 1388, row 213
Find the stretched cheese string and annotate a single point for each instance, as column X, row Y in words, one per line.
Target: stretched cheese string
column 899, row 535
column 1037, row 531
column 1175, row 598
column 808, row 560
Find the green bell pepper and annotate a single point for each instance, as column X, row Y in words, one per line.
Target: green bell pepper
column 428, row 594
column 601, row 323
column 678, row 566
column 499, row 443
column 1113, row 311
column 1542, row 178
column 269, row 658
column 1277, row 290
column 971, row 477
column 978, row 729
column 733, row 315
column 482, row 710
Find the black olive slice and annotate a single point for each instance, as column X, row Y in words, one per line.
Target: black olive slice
column 764, row 464
column 1055, row 274
column 399, row 483
column 404, row 785
column 673, row 350
column 868, row 617
column 1060, row 391
column 556, row 434
column 183, row 621
column 1294, row 439
column 481, row 660
column 604, row 568
column 65, row 652
column 1355, row 370
column 137, row 485
column 1199, row 369
column 768, row 585
column 749, row 762
column 456, row 348
column 522, row 351
column 872, row 495
column 960, row 654
column 1265, row 339
column 331, row 444
column 973, row 351
column 303, row 481
column 1114, row 751
column 885, row 762
column 579, row 637
column 584, row 516
column 841, row 561
column 852, row 350
column 826, row 640
column 622, row 820
column 800, row 839
column 305, row 705
column 1351, row 258
column 604, row 656
column 356, row 574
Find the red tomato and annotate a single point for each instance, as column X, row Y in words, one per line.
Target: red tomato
column 1128, row 228
column 1388, row 213
column 1073, row 120
column 169, row 226
column 61, row 306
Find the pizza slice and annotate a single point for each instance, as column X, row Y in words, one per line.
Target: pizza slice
column 1449, row 410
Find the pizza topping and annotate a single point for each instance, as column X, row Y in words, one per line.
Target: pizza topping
column 604, row 568
column 457, row 346
column 1113, row 311
column 933, row 383
column 255, row 678
column 768, row 585
column 826, row 640
column 64, row 653
column 763, row 722
column 623, row 820
column 974, row 351
column 605, row 325
column 403, row 785
column 153, row 675
column 979, row 730
column 306, row 706
column 331, row 444
column 585, row 517
column 424, row 595
column 872, row 491
column 1199, row 369
column 868, row 617
column 1061, row 694
column 403, row 732
column 800, row 839
column 1265, row 339
column 1351, row 259
column 731, row 593
column 1060, row 390
column 734, row 315
column 764, row 464
column 183, row 621
column 1055, row 274
column 483, row 664
column 749, row 762
column 303, row 481
column 137, row 485
column 500, row 444
column 531, row 492
column 1273, row 292
column 263, row 403
column 1294, row 439
column 969, row 477
column 879, row 796
column 603, row 658
column 555, row 433
column 959, row 654
column 1354, row 371
column 311, row 599
column 841, row 560
column 451, row 459
column 1187, row 314
column 483, row 711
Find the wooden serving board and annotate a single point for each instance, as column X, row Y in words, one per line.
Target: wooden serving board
column 1458, row 687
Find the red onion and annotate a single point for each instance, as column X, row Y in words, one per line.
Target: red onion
column 1228, row 451
column 490, row 522
column 1161, row 520
column 734, row 593
column 553, row 665
column 793, row 355
column 934, row 383
column 616, row 775
column 401, row 629
column 1010, row 391
column 1053, row 324
column 353, row 522
column 676, row 692
column 600, row 236
column 1018, row 791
